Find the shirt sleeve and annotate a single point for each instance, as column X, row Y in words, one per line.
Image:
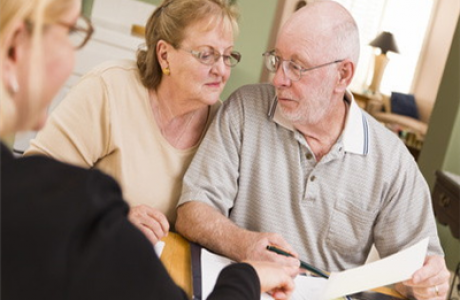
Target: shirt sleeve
column 77, row 131
column 237, row 281
column 213, row 175
column 407, row 215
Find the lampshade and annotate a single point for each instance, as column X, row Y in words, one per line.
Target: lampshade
column 386, row 42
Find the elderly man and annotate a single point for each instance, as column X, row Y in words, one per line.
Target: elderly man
column 298, row 165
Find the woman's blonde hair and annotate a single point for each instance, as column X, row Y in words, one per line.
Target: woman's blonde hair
column 169, row 23
column 36, row 13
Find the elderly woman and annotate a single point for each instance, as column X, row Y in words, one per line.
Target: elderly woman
column 64, row 230
column 142, row 123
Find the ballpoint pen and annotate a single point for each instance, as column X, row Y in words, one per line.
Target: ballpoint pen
column 303, row 264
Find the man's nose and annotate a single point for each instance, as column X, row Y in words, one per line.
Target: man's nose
column 280, row 78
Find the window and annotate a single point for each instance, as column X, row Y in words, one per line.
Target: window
column 408, row 21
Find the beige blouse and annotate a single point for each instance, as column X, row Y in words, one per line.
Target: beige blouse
column 106, row 122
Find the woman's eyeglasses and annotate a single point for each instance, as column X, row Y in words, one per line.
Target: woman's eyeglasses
column 80, row 32
column 210, row 56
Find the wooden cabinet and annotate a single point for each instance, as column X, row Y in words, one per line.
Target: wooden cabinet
column 361, row 99
column 446, row 201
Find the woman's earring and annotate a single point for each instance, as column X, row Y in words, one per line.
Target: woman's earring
column 13, row 85
column 166, row 71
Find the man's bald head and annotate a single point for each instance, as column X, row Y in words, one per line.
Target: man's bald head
column 327, row 27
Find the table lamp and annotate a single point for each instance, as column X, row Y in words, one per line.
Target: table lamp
column 386, row 42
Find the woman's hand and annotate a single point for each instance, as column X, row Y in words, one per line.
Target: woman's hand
column 150, row 221
column 274, row 278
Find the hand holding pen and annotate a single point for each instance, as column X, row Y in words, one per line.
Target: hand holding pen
column 303, row 265
column 252, row 246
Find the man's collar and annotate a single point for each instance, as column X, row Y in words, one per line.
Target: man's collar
column 355, row 134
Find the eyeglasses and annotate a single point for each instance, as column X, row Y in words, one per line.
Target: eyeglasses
column 80, row 32
column 292, row 70
column 210, row 56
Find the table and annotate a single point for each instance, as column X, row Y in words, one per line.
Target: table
column 177, row 261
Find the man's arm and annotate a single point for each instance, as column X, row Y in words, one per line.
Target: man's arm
column 200, row 223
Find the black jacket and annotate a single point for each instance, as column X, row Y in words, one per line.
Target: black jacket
column 65, row 235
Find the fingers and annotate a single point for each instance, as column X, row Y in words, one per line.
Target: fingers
column 433, row 272
column 435, row 292
column 291, row 264
column 274, row 278
column 150, row 221
column 255, row 248
column 283, row 292
column 431, row 281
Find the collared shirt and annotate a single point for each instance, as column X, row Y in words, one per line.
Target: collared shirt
column 260, row 172
column 356, row 132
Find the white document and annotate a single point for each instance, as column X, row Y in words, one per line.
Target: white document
column 159, row 248
column 307, row 287
column 211, row 265
column 394, row 268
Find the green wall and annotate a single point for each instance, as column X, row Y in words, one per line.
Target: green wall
column 256, row 18
column 441, row 150
column 86, row 7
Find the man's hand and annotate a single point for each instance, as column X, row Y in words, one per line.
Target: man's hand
column 255, row 248
column 150, row 221
column 430, row 282
column 274, row 279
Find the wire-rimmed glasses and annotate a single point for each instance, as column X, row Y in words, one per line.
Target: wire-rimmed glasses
column 209, row 56
column 292, row 70
column 80, row 32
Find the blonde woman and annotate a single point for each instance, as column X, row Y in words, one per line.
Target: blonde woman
column 64, row 230
column 141, row 122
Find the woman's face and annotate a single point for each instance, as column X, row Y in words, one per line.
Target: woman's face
column 56, row 64
column 198, row 83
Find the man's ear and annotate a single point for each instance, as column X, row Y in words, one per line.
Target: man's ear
column 346, row 72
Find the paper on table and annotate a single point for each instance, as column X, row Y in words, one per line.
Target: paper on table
column 211, row 265
column 159, row 248
column 307, row 288
column 395, row 268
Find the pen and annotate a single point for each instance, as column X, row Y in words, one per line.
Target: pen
column 303, row 264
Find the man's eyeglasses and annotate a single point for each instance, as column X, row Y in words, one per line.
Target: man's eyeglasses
column 210, row 56
column 292, row 70
column 80, row 32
